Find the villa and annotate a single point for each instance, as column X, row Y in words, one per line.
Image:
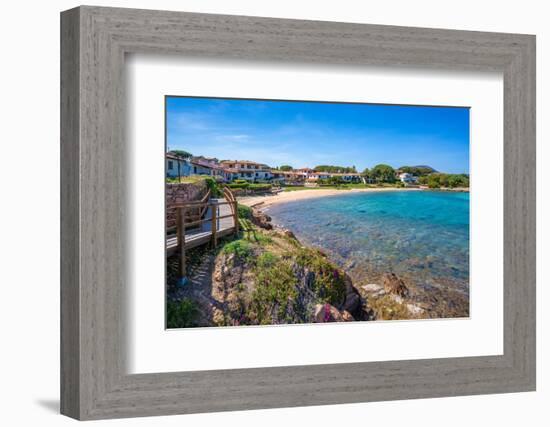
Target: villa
column 347, row 177
column 177, row 166
column 248, row 170
column 229, row 170
column 408, row 178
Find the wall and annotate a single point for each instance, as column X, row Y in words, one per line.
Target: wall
column 29, row 234
column 180, row 193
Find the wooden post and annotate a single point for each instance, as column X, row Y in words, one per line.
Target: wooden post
column 214, row 224
column 181, row 242
column 236, row 217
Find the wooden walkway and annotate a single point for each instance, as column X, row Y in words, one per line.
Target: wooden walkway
column 216, row 218
column 225, row 224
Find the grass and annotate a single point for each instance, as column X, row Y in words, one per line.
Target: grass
column 329, row 282
column 244, row 212
column 182, row 314
column 185, row 179
column 275, row 290
column 386, row 308
column 211, row 183
column 241, row 248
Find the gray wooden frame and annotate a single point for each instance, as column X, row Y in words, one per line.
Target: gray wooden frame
column 94, row 41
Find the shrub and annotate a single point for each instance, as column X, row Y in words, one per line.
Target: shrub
column 329, row 283
column 386, row 308
column 182, row 314
column 266, row 260
column 212, row 184
column 244, row 212
column 238, row 185
column 241, row 248
column 275, row 293
column 259, row 187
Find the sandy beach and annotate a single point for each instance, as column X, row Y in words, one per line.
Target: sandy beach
column 290, row 196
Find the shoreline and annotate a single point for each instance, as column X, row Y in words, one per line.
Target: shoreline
column 263, row 201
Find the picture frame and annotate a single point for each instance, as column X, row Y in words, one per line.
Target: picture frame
column 94, row 381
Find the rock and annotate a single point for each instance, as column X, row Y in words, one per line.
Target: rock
column 288, row 233
column 396, row 298
column 352, row 302
column 261, row 219
column 415, row 310
column 228, row 271
column 394, row 285
column 327, row 313
column 346, row 315
column 373, row 288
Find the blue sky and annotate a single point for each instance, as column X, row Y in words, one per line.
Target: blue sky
column 306, row 134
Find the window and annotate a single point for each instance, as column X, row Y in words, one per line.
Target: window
column 170, row 164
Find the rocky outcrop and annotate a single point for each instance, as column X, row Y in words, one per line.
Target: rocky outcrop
column 261, row 219
column 228, row 271
column 394, row 285
column 325, row 313
column 353, row 303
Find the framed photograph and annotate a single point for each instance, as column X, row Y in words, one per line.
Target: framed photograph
column 262, row 213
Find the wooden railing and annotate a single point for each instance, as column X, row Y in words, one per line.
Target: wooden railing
column 183, row 223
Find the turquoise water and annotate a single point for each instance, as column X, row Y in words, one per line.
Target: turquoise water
column 422, row 235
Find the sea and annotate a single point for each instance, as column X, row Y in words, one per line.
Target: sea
column 422, row 236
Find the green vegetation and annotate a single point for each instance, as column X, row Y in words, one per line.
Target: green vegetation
column 266, row 260
column 278, row 280
column 245, row 185
column 438, row 180
column 346, row 186
column 329, row 282
column 275, row 292
column 386, row 308
column 383, row 173
column 181, row 153
column 211, row 183
column 185, row 179
column 240, row 248
column 335, row 169
column 182, row 314
column 244, row 211
column 214, row 186
column 285, row 168
column 417, row 170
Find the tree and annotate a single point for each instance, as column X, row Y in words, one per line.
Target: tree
column 383, row 173
column 181, row 153
column 286, row 168
column 417, row 170
column 334, row 169
column 433, row 181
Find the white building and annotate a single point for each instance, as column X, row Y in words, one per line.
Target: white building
column 250, row 171
column 408, row 178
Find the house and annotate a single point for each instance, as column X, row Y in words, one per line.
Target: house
column 288, row 177
column 346, row 177
column 201, row 167
column 248, row 170
column 176, row 166
column 408, row 178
